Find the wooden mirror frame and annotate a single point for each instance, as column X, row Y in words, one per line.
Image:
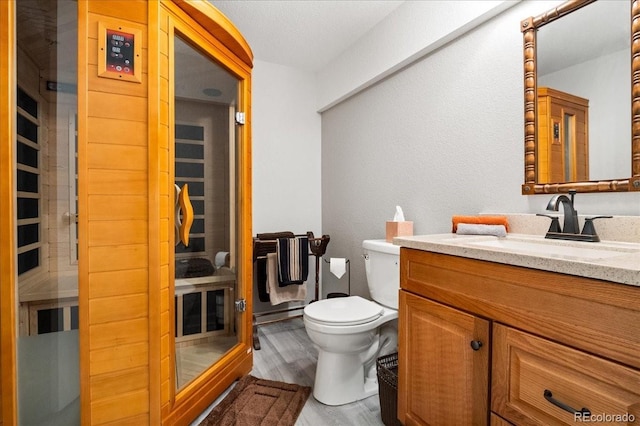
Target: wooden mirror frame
column 531, row 186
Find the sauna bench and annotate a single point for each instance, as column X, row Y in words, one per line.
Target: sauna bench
column 51, row 305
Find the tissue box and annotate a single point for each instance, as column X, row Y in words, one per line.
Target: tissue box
column 399, row 229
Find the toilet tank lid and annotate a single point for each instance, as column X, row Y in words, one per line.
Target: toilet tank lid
column 350, row 310
column 381, row 246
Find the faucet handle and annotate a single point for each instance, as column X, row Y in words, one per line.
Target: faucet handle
column 555, row 223
column 588, row 228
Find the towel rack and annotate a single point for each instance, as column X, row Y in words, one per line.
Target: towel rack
column 266, row 243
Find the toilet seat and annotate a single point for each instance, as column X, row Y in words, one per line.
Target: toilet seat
column 352, row 310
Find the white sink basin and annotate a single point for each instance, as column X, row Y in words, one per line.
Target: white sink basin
column 554, row 248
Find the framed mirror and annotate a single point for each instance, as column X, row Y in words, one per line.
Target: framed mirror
column 582, row 98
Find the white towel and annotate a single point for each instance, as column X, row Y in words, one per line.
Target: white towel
column 474, row 229
column 279, row 294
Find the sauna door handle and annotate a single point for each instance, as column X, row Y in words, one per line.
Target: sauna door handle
column 187, row 214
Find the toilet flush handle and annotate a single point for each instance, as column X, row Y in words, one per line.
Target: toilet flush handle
column 366, row 262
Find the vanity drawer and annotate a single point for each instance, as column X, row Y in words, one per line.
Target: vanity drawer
column 526, row 367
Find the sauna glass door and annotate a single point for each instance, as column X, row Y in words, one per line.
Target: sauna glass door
column 205, row 103
column 46, row 210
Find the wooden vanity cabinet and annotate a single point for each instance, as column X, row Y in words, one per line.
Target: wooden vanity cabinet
column 480, row 343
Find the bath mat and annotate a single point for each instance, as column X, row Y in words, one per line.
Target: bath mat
column 260, row 402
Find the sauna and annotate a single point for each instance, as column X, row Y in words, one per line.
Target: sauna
column 125, row 201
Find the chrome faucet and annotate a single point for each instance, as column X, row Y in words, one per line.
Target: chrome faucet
column 571, row 225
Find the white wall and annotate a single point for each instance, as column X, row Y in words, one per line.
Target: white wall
column 442, row 136
column 286, row 155
column 286, row 150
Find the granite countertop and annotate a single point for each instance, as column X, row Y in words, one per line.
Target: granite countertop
column 614, row 261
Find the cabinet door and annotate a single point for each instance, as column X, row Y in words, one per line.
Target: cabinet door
column 443, row 364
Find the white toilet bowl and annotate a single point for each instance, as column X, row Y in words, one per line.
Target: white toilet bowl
column 350, row 333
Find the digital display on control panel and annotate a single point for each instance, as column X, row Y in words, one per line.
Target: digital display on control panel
column 120, row 52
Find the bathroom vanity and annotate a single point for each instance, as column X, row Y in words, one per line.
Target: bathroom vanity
column 519, row 330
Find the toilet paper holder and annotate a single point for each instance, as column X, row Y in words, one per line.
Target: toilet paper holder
column 318, row 247
column 339, row 294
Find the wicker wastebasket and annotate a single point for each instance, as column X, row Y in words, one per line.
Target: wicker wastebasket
column 387, row 368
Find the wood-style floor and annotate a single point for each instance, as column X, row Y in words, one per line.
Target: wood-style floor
column 192, row 360
column 288, row 355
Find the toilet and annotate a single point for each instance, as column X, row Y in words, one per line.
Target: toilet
column 352, row 332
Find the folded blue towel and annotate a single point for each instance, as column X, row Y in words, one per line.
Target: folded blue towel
column 293, row 260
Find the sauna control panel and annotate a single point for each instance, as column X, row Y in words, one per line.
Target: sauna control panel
column 119, row 49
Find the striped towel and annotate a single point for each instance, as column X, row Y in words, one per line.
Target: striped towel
column 293, row 260
column 279, row 294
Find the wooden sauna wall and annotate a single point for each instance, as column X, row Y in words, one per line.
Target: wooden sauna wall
column 165, row 171
column 115, row 202
column 8, row 402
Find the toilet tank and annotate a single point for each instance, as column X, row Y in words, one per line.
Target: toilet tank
column 382, row 265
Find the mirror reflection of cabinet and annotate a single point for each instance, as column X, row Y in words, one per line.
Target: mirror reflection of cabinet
column 563, row 137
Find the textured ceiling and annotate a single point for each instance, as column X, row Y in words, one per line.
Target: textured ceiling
column 303, row 34
column 308, row 34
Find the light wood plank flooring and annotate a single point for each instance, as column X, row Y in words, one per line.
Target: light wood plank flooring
column 192, row 360
column 288, row 355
